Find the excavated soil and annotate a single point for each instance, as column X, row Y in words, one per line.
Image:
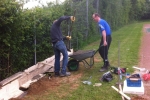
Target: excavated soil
column 47, row 84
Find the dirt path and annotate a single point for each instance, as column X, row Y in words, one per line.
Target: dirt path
column 144, row 61
column 145, row 48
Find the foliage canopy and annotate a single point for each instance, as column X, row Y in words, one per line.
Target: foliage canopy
column 24, row 33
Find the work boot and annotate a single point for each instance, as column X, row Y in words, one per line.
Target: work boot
column 57, row 74
column 104, row 68
column 66, row 74
column 108, row 65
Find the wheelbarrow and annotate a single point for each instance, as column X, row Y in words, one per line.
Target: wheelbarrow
column 81, row 56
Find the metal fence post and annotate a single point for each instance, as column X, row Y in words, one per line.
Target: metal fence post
column 87, row 10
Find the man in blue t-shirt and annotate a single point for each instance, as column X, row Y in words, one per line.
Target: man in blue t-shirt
column 105, row 32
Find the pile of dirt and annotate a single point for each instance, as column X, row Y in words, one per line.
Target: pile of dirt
column 43, row 85
column 47, row 85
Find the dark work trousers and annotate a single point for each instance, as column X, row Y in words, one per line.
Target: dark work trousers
column 103, row 50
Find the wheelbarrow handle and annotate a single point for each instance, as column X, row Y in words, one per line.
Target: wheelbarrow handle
column 97, row 50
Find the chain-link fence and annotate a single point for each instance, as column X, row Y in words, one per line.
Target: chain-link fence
column 82, row 28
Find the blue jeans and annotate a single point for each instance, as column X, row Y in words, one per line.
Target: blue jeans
column 59, row 48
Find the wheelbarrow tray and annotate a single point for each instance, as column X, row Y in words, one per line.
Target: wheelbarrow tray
column 81, row 54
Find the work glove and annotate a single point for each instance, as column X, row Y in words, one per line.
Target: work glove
column 72, row 18
column 68, row 37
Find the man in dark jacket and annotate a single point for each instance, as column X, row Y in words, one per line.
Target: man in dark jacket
column 59, row 46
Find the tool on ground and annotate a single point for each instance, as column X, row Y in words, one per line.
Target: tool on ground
column 97, row 84
column 106, row 77
column 140, row 69
column 146, row 77
column 120, row 88
column 124, row 95
column 88, row 81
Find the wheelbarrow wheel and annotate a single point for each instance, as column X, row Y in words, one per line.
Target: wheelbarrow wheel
column 73, row 65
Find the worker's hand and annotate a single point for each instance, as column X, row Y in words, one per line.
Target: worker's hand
column 72, row 18
column 105, row 43
column 68, row 37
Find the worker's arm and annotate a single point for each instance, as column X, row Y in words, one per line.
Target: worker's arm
column 104, row 37
column 62, row 18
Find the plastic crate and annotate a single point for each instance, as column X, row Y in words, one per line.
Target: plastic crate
column 134, row 83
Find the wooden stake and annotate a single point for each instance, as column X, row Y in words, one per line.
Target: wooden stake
column 128, row 98
column 120, row 88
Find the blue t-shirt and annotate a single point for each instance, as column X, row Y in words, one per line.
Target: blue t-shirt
column 104, row 26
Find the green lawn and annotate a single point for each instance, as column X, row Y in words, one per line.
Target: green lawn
column 127, row 40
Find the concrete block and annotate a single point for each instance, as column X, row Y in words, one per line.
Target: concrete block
column 10, row 90
column 30, row 69
column 3, row 92
column 10, row 79
column 15, row 94
column 50, row 59
column 23, row 79
column 12, row 87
